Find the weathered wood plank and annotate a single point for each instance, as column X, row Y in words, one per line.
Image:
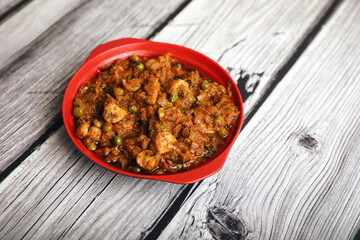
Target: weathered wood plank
column 73, row 183
column 264, row 37
column 32, row 86
column 295, row 172
column 105, row 200
column 18, row 32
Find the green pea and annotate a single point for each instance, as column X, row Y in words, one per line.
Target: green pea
column 107, row 127
column 217, row 119
column 133, row 109
column 78, row 112
column 91, row 146
column 117, row 140
column 136, row 169
column 162, row 127
column 118, row 92
column 136, row 58
column 140, row 67
column 97, row 123
column 200, row 103
column 173, row 97
column 205, row 85
column 192, row 98
column 79, row 122
column 211, row 137
column 222, row 89
column 222, row 132
column 77, row 102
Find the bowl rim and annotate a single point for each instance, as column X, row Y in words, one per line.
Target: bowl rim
column 122, row 48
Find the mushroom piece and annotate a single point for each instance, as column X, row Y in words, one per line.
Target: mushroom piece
column 82, row 130
column 95, row 134
column 112, row 112
column 152, row 88
column 164, row 142
column 133, row 84
column 147, row 160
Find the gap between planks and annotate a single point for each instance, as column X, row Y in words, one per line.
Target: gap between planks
column 12, row 7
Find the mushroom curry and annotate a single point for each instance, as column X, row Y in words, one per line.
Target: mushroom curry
column 153, row 116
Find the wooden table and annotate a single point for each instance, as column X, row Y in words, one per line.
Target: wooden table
column 293, row 173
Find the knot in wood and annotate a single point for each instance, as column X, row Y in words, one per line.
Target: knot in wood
column 223, row 224
column 248, row 82
column 308, row 141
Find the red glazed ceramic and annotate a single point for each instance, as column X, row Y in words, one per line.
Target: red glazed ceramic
column 123, row 48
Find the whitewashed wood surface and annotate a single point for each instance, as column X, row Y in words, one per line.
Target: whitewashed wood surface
column 292, row 174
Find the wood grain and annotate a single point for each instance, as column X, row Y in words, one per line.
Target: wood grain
column 295, row 171
column 39, row 105
column 17, row 33
column 33, row 85
column 74, row 185
column 8, row 7
column 64, row 195
column 264, row 36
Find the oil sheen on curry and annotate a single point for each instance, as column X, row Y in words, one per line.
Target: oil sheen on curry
column 153, row 116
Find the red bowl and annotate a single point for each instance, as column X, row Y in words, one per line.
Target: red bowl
column 123, row 48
